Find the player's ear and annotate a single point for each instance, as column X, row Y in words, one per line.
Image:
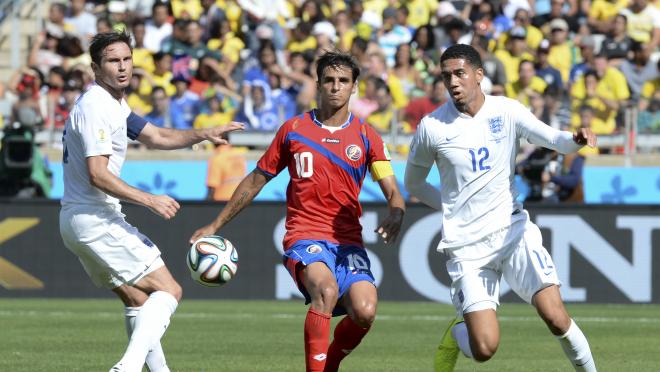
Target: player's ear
column 356, row 83
column 479, row 74
column 95, row 67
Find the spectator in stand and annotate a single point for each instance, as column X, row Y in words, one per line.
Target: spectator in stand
column 184, row 105
column 587, row 46
column 141, row 55
column 605, row 90
column 436, row 96
column 26, row 110
column 283, row 95
column 43, row 54
column 567, row 179
column 210, row 18
column 118, row 15
column 643, row 22
column 158, row 28
column 514, row 53
column 160, row 115
column 425, row 51
column 455, row 31
column 411, row 80
column 80, row 23
column 363, row 106
column 266, row 57
column 55, row 24
column 258, row 110
column 55, row 82
column 527, row 86
column 556, row 108
column 213, row 113
column 267, row 13
column 186, row 9
column 649, row 90
column 326, row 36
column 226, row 169
column 138, row 100
column 602, row 13
column 566, row 10
column 639, row 69
column 533, row 35
column 562, row 53
column 648, row 120
column 391, row 35
column 617, row 43
column 378, row 68
column 162, row 74
column 227, row 43
column 345, row 30
column 493, row 67
column 177, row 45
column 549, row 74
column 301, row 38
column 103, row 25
column 383, row 117
column 70, row 93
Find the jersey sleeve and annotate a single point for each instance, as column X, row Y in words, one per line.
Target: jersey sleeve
column 95, row 131
column 539, row 133
column 422, row 150
column 134, row 125
column 377, row 150
column 276, row 157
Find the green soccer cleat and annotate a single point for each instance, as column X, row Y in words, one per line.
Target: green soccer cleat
column 447, row 353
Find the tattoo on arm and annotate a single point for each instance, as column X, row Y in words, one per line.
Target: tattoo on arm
column 236, row 207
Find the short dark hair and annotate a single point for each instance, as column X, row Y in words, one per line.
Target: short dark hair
column 336, row 59
column 463, row 51
column 101, row 41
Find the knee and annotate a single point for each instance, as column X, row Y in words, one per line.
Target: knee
column 557, row 321
column 483, row 350
column 328, row 295
column 176, row 291
column 364, row 314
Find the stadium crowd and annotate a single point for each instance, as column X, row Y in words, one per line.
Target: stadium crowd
column 200, row 63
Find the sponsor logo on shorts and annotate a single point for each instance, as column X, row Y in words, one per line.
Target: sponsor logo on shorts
column 320, row 357
column 353, row 152
column 148, row 242
column 313, row 249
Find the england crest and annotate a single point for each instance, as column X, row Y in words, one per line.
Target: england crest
column 495, row 124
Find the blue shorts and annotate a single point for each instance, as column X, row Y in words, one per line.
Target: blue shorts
column 348, row 263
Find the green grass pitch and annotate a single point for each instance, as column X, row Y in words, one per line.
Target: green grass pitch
column 88, row 335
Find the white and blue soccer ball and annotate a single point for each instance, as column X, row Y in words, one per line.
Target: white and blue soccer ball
column 212, row 260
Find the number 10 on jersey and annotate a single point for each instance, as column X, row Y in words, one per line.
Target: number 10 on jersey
column 304, row 164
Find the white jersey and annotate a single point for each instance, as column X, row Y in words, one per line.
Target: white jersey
column 97, row 125
column 475, row 157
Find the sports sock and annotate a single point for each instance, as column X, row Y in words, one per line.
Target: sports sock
column 155, row 358
column 460, row 334
column 150, row 325
column 347, row 337
column 576, row 348
column 317, row 333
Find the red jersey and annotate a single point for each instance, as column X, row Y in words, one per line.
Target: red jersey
column 327, row 170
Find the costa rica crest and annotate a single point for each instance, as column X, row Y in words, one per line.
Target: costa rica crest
column 353, row 152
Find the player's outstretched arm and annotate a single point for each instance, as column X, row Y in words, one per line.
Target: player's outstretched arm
column 171, row 139
column 101, row 178
column 390, row 227
column 246, row 191
column 416, row 184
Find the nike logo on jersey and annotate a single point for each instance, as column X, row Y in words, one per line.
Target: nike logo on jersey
column 449, row 139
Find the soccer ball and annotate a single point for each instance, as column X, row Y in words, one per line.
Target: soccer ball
column 212, row 260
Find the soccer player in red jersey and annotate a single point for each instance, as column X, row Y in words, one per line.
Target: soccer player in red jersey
column 327, row 152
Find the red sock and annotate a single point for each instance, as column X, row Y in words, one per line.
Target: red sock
column 317, row 334
column 347, row 337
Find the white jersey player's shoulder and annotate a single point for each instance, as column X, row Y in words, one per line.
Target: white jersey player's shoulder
column 506, row 104
column 94, row 98
column 440, row 117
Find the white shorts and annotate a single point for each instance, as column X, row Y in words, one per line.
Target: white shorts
column 112, row 251
column 516, row 252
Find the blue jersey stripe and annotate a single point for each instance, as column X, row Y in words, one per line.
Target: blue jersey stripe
column 356, row 173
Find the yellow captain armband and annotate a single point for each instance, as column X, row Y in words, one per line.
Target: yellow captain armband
column 381, row 169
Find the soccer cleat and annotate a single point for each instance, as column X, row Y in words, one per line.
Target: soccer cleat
column 447, row 353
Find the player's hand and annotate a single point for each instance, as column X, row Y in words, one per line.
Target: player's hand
column 217, row 134
column 584, row 136
column 390, row 227
column 204, row 231
column 164, row 206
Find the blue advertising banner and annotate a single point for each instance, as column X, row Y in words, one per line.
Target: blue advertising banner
column 186, row 180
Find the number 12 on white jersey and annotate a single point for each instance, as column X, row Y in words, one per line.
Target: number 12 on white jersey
column 304, row 164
